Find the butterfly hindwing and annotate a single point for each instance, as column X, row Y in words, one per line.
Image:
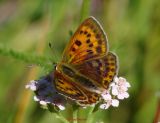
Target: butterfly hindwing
column 92, row 98
column 110, row 69
column 101, row 70
column 88, row 42
column 82, row 96
column 66, row 87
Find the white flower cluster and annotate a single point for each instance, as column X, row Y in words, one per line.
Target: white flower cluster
column 46, row 93
column 117, row 91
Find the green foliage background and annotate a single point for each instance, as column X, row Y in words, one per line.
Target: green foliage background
column 28, row 26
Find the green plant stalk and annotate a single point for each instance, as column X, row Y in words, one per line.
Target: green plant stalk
column 90, row 113
column 26, row 57
column 85, row 10
column 60, row 117
column 75, row 113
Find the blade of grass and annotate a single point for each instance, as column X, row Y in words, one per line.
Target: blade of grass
column 25, row 97
column 85, row 10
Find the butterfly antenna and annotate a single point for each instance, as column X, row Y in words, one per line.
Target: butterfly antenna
column 54, row 51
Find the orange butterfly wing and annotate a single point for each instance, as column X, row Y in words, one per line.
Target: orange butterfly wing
column 88, row 42
column 87, row 45
column 92, row 98
column 101, row 70
column 68, row 88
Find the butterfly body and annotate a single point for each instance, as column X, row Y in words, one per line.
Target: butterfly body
column 87, row 67
column 79, row 78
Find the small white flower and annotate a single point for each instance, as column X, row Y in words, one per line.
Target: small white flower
column 122, row 82
column 120, row 88
column 35, row 98
column 43, row 103
column 125, row 94
column 109, row 101
column 31, row 85
column 116, row 79
column 104, row 106
column 106, row 96
column 114, row 90
column 61, row 107
column 115, row 103
column 122, row 95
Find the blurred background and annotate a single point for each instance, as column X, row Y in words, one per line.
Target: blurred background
column 28, row 26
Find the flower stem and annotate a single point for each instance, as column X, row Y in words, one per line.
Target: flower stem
column 60, row 117
column 75, row 114
column 90, row 117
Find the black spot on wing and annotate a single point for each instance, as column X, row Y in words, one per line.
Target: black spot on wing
column 81, row 32
column 88, row 35
column 90, row 45
column 78, row 43
column 99, row 49
column 85, row 32
column 73, row 49
column 88, row 41
column 100, row 41
column 98, row 36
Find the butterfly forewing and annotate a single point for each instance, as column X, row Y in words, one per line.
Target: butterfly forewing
column 88, row 42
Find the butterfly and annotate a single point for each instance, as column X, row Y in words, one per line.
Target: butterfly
column 87, row 67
